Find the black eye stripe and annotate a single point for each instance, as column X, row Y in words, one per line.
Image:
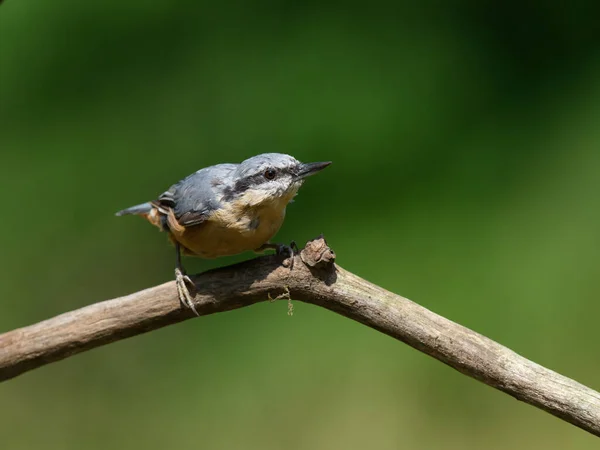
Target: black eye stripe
column 248, row 181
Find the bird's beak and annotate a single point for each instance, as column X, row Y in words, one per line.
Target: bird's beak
column 309, row 169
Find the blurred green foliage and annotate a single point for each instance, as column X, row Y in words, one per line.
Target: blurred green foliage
column 465, row 142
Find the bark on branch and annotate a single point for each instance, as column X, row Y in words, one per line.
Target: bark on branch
column 314, row 279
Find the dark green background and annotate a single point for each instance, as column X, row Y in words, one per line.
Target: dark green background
column 465, row 142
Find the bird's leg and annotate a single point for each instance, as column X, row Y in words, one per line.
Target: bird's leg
column 282, row 249
column 181, row 281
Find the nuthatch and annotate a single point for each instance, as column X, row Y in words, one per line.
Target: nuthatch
column 227, row 209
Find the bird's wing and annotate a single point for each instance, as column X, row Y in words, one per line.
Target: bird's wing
column 194, row 198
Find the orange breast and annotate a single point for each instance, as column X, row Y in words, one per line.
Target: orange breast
column 232, row 230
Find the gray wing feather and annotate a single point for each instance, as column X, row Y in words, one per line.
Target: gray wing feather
column 194, row 198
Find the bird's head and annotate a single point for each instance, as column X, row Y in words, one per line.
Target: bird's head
column 271, row 177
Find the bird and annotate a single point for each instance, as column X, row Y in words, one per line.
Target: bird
column 227, row 209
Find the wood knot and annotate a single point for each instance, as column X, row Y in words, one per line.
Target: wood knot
column 317, row 253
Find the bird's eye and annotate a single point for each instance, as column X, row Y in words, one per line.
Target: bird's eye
column 270, row 174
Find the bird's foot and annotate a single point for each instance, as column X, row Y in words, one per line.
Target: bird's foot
column 292, row 250
column 282, row 249
column 182, row 281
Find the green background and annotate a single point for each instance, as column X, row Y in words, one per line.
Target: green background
column 465, row 142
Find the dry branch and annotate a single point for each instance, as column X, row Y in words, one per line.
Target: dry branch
column 314, row 279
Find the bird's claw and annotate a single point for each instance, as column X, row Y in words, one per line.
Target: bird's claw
column 182, row 281
column 292, row 250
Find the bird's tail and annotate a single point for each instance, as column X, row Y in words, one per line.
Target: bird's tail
column 141, row 209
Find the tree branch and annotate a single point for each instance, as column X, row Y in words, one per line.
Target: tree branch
column 314, row 279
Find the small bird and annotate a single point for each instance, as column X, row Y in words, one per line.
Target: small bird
column 227, row 209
